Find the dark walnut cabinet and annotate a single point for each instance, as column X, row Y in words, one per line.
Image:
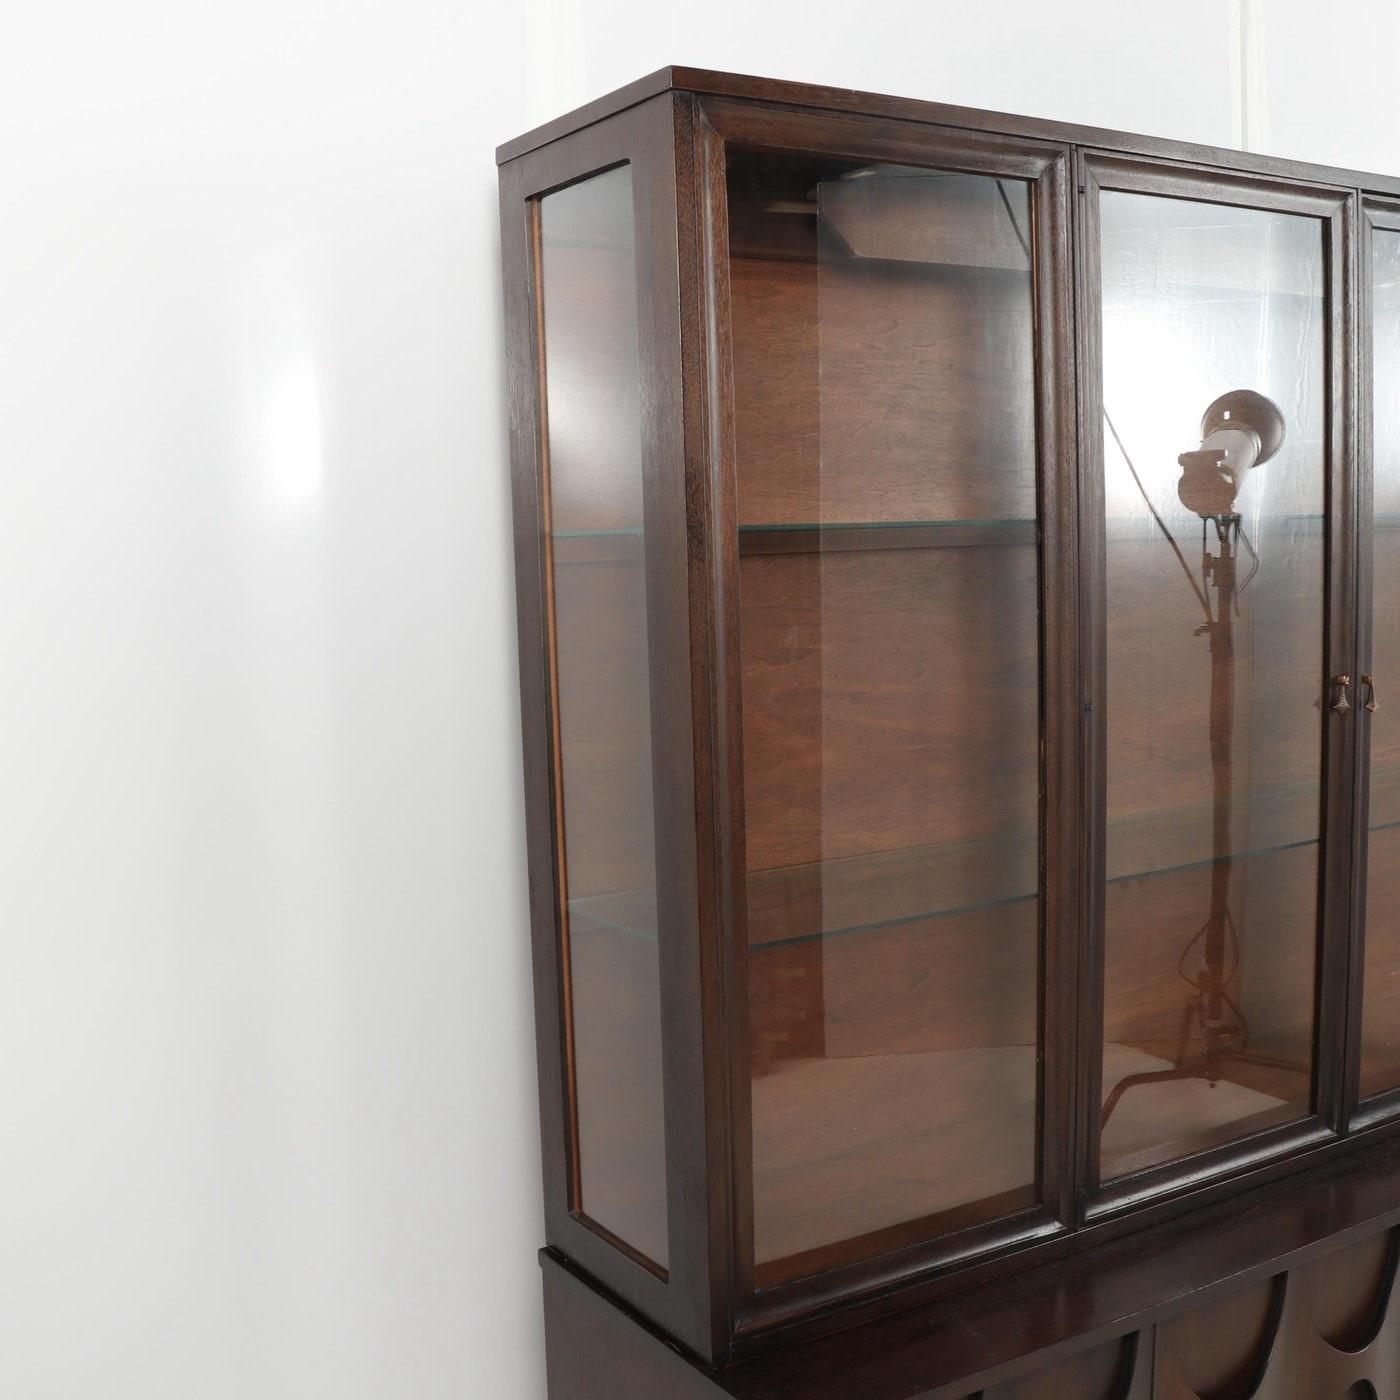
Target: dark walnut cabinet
column 959, row 595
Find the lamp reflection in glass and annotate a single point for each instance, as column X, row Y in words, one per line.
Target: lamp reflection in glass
column 1240, row 432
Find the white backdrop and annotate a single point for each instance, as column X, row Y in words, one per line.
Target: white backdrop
column 266, row 1070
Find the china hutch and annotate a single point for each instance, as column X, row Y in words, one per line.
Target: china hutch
column 958, row 568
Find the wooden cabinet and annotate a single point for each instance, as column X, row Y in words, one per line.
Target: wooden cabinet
column 956, row 621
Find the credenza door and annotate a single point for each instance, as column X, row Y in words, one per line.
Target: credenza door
column 1219, row 522
column 895, row 512
column 1375, row 1043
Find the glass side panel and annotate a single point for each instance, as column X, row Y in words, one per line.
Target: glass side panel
column 1213, row 359
column 1380, row 1032
column 603, row 702
column 884, row 359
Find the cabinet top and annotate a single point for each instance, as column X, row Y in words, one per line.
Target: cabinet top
column 708, row 83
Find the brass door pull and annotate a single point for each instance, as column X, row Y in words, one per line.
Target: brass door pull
column 1372, row 704
column 1341, row 704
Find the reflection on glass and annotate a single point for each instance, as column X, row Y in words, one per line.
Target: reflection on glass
column 884, row 375
column 1380, row 1042
column 603, row 701
column 1214, row 396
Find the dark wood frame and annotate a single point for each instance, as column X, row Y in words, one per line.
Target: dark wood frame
column 1010, row 1328
column 1335, row 209
column 672, row 128
column 1356, row 1113
column 651, row 139
column 1045, row 169
column 1378, row 1109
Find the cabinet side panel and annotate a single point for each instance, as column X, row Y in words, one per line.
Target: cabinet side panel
column 602, row 703
column 518, row 228
column 608, row 541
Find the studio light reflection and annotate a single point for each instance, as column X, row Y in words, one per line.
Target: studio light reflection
column 294, row 451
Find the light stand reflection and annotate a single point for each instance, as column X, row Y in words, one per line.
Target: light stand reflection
column 1241, row 431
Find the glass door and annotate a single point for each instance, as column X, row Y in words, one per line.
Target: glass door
column 1216, row 317
column 1378, row 1053
column 900, row 389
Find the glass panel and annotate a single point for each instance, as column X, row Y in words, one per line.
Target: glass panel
column 884, row 362
column 1380, row 1036
column 1215, row 418
column 603, row 700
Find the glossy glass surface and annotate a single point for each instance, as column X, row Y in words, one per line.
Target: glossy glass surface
column 1380, row 1046
column 603, row 705
column 884, row 374
column 1215, row 685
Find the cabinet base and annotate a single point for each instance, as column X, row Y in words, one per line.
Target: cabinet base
column 1329, row 1330
column 594, row 1351
column 1286, row 1294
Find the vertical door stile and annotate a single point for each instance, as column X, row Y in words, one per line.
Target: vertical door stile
column 1061, row 741
column 1363, row 437
column 1093, row 692
column 1373, row 1045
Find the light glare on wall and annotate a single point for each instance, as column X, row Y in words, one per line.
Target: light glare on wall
column 293, row 439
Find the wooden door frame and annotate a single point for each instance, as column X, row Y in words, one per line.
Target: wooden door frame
column 1376, row 214
column 1335, row 208
column 1045, row 168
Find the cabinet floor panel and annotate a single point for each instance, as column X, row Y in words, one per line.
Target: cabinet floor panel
column 844, row 1148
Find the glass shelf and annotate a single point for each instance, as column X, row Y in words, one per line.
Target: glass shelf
column 808, row 537
column 864, row 894
column 1142, row 529
column 811, row 903
column 811, row 537
column 602, row 546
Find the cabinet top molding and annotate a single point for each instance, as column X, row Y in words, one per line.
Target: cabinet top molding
column 707, row 83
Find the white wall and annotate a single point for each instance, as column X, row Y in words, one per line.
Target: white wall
column 267, row 1125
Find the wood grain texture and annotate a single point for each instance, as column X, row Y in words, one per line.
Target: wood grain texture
column 602, row 700
column 816, row 97
column 868, row 687
column 593, row 1352
column 1217, row 1323
column 1122, row 1370
column 1139, row 175
column 1374, row 1058
column 687, row 1302
column 858, row 142
column 1151, row 1006
column 1222, row 1350
column 883, row 391
column 1330, row 1328
column 880, row 890
column 1379, row 1067
column 873, row 386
